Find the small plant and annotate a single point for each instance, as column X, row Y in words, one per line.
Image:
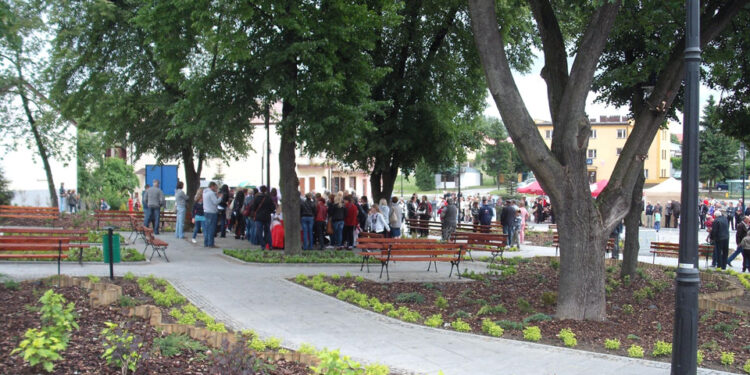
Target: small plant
column 746, row 367
column 612, row 344
column 461, row 314
column 93, row 279
column 635, row 351
column 662, row 348
column 332, row 362
column 121, row 347
column 237, row 359
column 129, row 276
column 492, row 310
column 300, row 278
column 643, row 293
column 491, row 328
column 256, row 344
column 441, row 303
column 57, row 317
column 568, row 337
column 538, row 317
column 727, row 358
column 628, row 309
column 410, row 297
column 273, row 343
column 555, row 264
column 461, row 326
column 348, row 275
column 524, row 306
column 335, row 276
column 549, row 298
column 359, row 279
column 127, row 301
column 409, row 316
column 706, row 316
column 633, row 337
column 532, row 333
column 435, row 321
column 174, row 344
column 41, row 347
column 510, row 325
column 11, row 285
column 699, row 357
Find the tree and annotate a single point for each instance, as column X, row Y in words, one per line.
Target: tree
column 424, row 177
column 6, row 195
column 561, row 169
column 116, row 181
column 155, row 74
column 645, row 75
column 718, row 152
column 27, row 116
column 676, row 162
column 434, row 92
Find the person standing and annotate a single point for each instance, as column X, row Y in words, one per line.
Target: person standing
column 649, row 215
column 720, row 236
column 485, row 215
column 507, row 215
column 730, row 216
column 524, row 217
column 154, row 198
column 321, row 217
column 657, row 220
column 424, row 210
column 395, row 217
column 307, row 218
column 385, row 209
column 615, row 235
column 337, row 215
column 702, row 213
column 180, row 201
column 222, row 210
column 350, row 220
column 145, row 207
column 668, row 215
column 198, row 215
column 742, row 230
column 239, row 220
column 61, row 198
column 263, row 207
column 676, row 214
column 210, row 211
column 448, row 217
column 376, row 222
column 249, row 222
column 411, row 209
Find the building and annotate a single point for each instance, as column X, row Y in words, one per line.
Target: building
column 608, row 136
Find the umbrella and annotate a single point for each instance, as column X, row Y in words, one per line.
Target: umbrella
column 533, row 188
column 597, row 187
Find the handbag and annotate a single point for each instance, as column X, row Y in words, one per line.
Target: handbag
column 200, row 218
column 329, row 228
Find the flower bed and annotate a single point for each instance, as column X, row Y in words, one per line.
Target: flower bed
column 517, row 301
column 307, row 256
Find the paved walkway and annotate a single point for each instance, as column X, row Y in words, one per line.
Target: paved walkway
column 259, row 297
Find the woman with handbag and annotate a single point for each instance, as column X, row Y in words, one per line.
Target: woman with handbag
column 198, row 218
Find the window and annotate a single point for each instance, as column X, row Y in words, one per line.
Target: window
column 663, row 154
column 622, row 133
column 663, row 173
column 353, row 183
column 323, row 181
column 619, row 151
column 593, row 134
column 548, row 134
column 592, row 177
column 592, row 153
column 645, row 173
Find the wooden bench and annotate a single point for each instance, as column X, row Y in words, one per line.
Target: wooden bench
column 421, row 252
column 494, row 243
column 370, row 235
column 28, row 212
column 120, row 217
column 369, row 246
column 437, row 226
column 24, row 237
column 607, row 248
column 157, row 246
column 673, row 249
column 40, row 251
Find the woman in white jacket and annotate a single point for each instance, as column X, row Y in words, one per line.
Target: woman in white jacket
column 376, row 222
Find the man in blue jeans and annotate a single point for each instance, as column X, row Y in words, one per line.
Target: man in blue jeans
column 210, row 211
column 154, row 201
column 263, row 207
column 307, row 214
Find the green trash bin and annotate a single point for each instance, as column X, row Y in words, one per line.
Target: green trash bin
column 115, row 250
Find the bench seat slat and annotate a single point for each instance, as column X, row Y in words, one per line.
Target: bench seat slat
column 35, row 256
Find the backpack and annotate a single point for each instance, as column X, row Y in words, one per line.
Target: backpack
column 393, row 217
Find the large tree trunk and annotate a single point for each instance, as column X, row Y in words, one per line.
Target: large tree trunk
column 582, row 243
column 192, row 179
column 289, row 184
column 381, row 183
column 632, row 229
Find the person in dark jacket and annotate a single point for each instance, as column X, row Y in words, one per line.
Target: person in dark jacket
column 424, row 211
column 720, row 236
column 262, row 208
column 507, row 215
column 676, row 214
column 307, row 218
column 411, row 214
column 485, row 215
column 337, row 214
column 237, row 221
column 742, row 229
column 222, row 211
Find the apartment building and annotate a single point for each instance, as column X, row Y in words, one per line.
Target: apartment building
column 608, row 137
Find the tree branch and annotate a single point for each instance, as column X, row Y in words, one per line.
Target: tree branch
column 555, row 71
column 519, row 123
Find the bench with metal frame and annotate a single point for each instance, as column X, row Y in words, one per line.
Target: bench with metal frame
column 494, row 243
column 425, row 252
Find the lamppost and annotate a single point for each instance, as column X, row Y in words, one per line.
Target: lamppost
column 742, row 149
column 685, row 333
column 268, row 146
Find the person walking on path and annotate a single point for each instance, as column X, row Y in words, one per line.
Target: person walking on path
column 263, row 207
column 180, row 201
column 198, row 215
column 448, row 217
column 742, row 230
column 154, row 202
column 210, row 209
column 395, row 217
column 307, row 218
column 720, row 236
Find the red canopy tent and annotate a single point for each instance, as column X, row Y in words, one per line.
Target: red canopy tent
column 597, row 188
column 535, row 189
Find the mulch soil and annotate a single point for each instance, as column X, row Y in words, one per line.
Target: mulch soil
column 538, row 238
column 650, row 320
column 19, row 309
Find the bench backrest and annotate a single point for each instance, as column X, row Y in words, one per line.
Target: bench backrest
column 46, row 231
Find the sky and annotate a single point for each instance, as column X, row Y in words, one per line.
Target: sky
column 534, row 93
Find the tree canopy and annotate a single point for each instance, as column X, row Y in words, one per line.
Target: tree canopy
column 718, row 152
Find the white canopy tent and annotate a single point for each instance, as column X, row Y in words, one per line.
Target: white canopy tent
column 671, row 189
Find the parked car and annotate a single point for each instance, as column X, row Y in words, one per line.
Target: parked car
column 722, row 186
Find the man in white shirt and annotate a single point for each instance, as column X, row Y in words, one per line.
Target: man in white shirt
column 210, row 211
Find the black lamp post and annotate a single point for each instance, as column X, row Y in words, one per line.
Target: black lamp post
column 685, row 334
column 268, row 146
column 742, row 149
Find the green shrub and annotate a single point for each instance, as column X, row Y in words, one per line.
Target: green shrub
column 273, row 343
column 549, row 298
column 256, row 344
column 410, row 297
column 300, row 278
column 441, row 303
column 174, row 344
column 568, row 337
column 41, row 347
column 635, row 351
column 461, row 326
column 491, row 328
column 129, row 276
column 699, row 357
column 492, row 310
column 633, row 337
column 628, row 309
column 167, row 298
column 510, row 325
column 120, row 347
column 727, row 358
column 532, row 333
column 612, row 344
column 335, row 276
column 409, row 315
column 555, row 264
column 127, row 301
column 359, row 279
column 524, row 306
column 662, row 348
column 93, row 279
column 434, row 321
column 538, row 317
column 746, row 367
